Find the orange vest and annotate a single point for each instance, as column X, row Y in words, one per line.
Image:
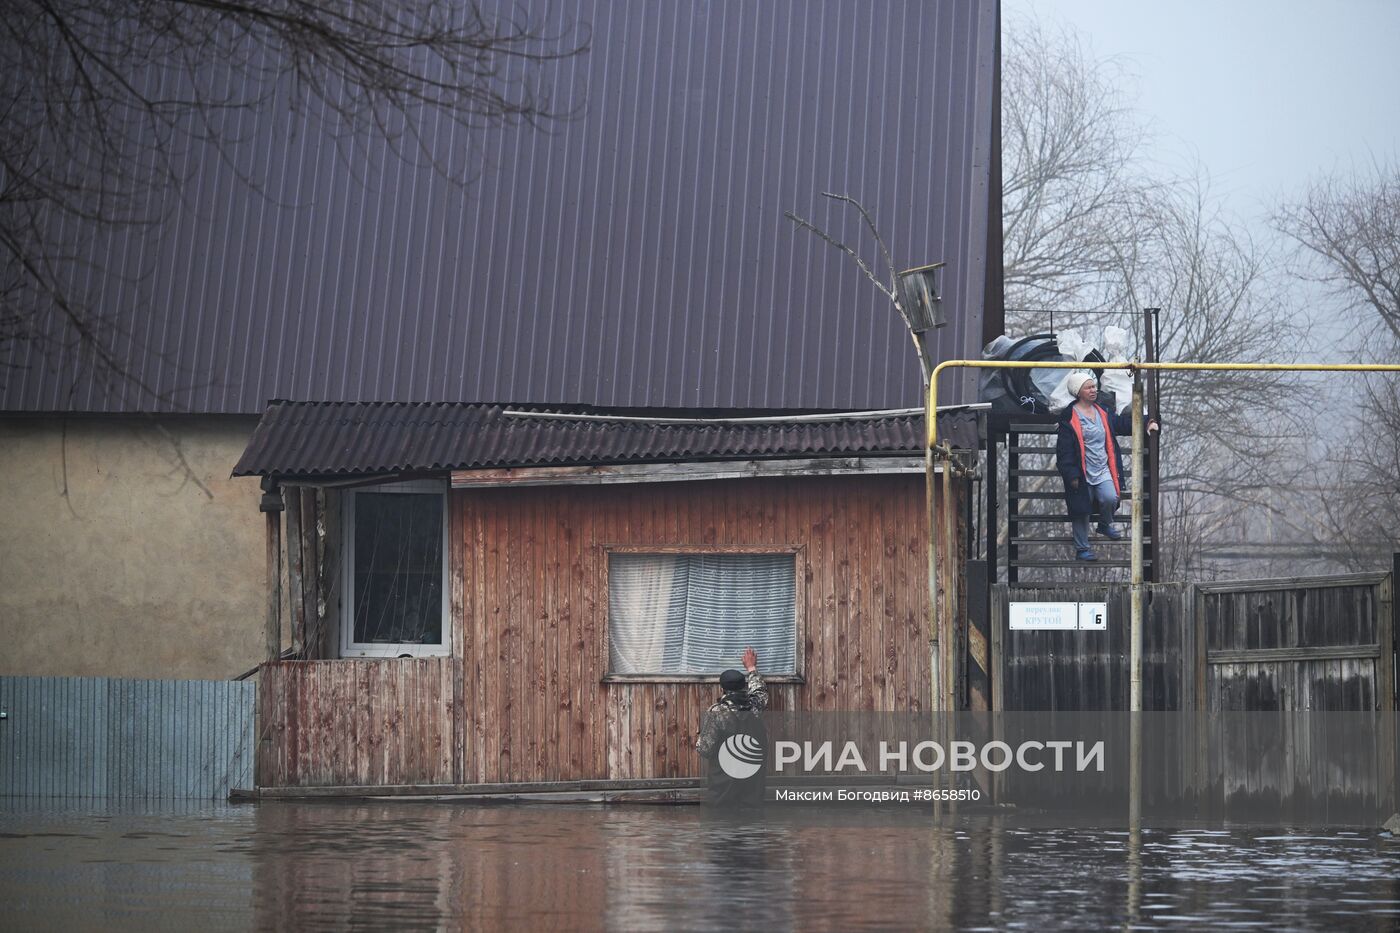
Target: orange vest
column 1107, row 443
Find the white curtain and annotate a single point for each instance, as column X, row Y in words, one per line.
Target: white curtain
column 641, row 607
column 696, row 613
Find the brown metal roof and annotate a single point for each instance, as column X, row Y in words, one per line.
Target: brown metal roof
column 634, row 255
column 323, row 439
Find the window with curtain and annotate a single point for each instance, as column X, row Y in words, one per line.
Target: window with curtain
column 696, row 613
column 396, row 585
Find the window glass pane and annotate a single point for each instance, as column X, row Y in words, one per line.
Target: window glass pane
column 696, row 613
column 738, row 600
column 398, row 568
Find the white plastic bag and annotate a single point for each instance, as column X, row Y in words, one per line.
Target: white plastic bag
column 1116, row 343
column 1072, row 344
column 1120, row 383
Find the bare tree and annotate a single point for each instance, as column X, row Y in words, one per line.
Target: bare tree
column 1094, row 233
column 1072, row 182
column 1346, row 228
column 1222, row 456
column 98, row 100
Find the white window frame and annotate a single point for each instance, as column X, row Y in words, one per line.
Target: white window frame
column 798, row 554
column 349, row 648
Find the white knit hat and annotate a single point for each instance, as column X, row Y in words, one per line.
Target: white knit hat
column 1076, row 380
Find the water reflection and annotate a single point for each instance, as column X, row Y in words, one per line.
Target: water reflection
column 424, row 865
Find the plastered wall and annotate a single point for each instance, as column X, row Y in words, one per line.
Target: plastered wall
column 126, row 550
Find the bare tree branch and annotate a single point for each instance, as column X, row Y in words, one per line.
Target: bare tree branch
column 887, row 291
column 890, row 291
column 879, row 240
column 99, row 103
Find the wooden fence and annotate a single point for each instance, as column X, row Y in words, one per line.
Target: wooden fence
column 1302, row 649
column 1088, row 670
column 1300, row 644
column 99, row 737
column 1325, row 644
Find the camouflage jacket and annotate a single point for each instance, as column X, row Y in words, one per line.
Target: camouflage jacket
column 722, row 719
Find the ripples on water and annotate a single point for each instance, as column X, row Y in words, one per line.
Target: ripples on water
column 424, row 865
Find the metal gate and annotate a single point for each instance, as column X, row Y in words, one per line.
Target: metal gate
column 100, row 737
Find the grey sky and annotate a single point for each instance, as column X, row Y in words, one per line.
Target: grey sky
column 1264, row 93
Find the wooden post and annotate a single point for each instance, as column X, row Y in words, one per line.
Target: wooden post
column 1388, row 612
column 274, row 585
column 937, row 646
column 272, row 506
column 996, row 614
column 990, row 487
column 1389, row 625
column 297, row 567
column 947, row 629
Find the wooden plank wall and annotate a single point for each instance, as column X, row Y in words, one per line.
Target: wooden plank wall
column 523, row 698
column 534, row 592
column 356, row 722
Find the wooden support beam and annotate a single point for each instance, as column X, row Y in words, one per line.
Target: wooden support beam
column 296, row 571
column 1272, row 655
column 272, row 508
column 1291, row 583
column 274, row 586
column 682, row 472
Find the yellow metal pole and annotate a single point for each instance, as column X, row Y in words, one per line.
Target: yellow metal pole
column 1145, row 367
column 947, row 631
column 1135, row 632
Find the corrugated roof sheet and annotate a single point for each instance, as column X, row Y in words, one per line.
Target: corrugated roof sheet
column 633, row 256
column 319, row 439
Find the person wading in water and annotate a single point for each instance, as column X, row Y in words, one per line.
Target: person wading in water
column 735, row 713
column 1087, row 456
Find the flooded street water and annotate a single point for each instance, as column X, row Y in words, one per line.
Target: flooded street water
column 425, row 865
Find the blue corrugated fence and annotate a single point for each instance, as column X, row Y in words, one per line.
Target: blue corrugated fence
column 123, row 738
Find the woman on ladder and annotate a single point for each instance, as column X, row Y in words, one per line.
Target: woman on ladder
column 1087, row 456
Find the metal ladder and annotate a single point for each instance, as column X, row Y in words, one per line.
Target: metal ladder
column 1038, row 534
